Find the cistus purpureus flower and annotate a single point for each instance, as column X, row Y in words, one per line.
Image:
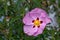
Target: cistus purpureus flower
column 35, row 21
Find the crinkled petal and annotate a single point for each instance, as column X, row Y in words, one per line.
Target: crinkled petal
column 44, row 13
column 46, row 20
column 27, row 20
column 34, row 15
column 42, row 26
column 40, row 30
column 37, row 12
column 29, row 30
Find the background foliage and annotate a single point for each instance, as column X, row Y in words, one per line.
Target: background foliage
column 12, row 13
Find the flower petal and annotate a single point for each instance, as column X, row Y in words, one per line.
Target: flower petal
column 46, row 20
column 27, row 20
column 34, row 15
column 42, row 26
column 29, row 30
column 37, row 12
column 40, row 30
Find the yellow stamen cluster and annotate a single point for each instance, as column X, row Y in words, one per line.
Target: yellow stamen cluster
column 36, row 22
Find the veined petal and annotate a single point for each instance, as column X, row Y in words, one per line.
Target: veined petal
column 34, row 15
column 37, row 12
column 40, row 30
column 46, row 20
column 29, row 30
column 42, row 26
column 27, row 20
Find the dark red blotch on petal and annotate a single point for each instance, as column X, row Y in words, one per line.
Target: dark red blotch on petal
column 41, row 21
column 33, row 21
column 33, row 26
column 37, row 18
column 38, row 26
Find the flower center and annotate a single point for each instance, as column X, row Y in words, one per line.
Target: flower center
column 37, row 22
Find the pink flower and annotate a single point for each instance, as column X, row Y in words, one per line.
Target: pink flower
column 35, row 21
